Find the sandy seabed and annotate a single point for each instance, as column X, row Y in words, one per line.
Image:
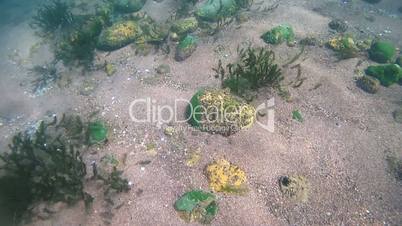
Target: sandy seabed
column 340, row 147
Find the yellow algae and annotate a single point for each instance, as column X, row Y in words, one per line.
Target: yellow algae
column 226, row 177
column 194, row 158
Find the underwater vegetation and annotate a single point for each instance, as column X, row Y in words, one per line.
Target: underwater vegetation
column 197, row 206
column 45, row 75
column 345, row 46
column 52, row 16
column 387, row 74
column 382, row 51
column 255, row 68
column 47, row 166
column 217, row 111
column 279, row 34
column 184, row 26
column 296, row 115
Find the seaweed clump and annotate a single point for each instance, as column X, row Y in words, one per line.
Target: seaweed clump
column 255, row 68
column 44, row 167
column 382, row 51
column 47, row 166
column 279, row 34
column 387, row 74
column 52, row 17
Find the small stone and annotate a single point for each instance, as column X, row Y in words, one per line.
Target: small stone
column 163, row 69
column 338, row 25
column 55, row 207
column 242, row 17
column 169, row 131
column 110, row 69
column 368, row 84
column 87, row 87
column 262, row 112
column 398, row 115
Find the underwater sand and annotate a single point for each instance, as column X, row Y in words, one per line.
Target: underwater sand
column 340, row 147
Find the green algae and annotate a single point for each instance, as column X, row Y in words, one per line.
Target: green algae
column 279, row 34
column 387, row 74
column 382, row 51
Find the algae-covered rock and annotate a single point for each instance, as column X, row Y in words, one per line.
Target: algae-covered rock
column 294, row 187
column 344, row 46
column 368, row 84
column 217, row 111
column 97, row 132
column 279, row 34
column 197, row 206
column 382, row 51
column 372, row 1
column 186, row 47
column 152, row 32
column 185, row 26
column 226, row 177
column 118, row 35
column 213, row 10
column 388, row 74
column 129, row 6
column 399, row 61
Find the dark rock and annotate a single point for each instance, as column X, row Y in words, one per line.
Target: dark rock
column 338, row 25
column 368, row 84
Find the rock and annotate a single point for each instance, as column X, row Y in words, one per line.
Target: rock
column 309, row 41
column 397, row 114
column 129, row 6
column 55, row 207
column 344, row 46
column 217, row 111
column 109, row 69
column 399, row 61
column 184, row 26
column 242, row 17
column 226, row 177
column 197, row 205
column 388, row 74
column 382, row 51
column 118, row 35
column 368, row 84
column 279, row 34
column 169, row 131
column 372, row 1
column 294, row 187
column 88, row 87
column 338, row 25
column 214, row 10
column 296, row 115
column 163, row 69
column 97, row 132
column 185, row 48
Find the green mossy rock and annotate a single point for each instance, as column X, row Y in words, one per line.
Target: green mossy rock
column 213, row 10
column 97, row 132
column 387, row 74
column 279, row 34
column 197, row 206
column 399, row 61
column 382, row 51
column 185, row 26
column 368, row 84
column 129, row 6
column 118, row 35
column 217, row 111
column 186, row 47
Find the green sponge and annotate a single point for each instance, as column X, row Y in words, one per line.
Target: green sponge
column 382, row 51
column 388, row 74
